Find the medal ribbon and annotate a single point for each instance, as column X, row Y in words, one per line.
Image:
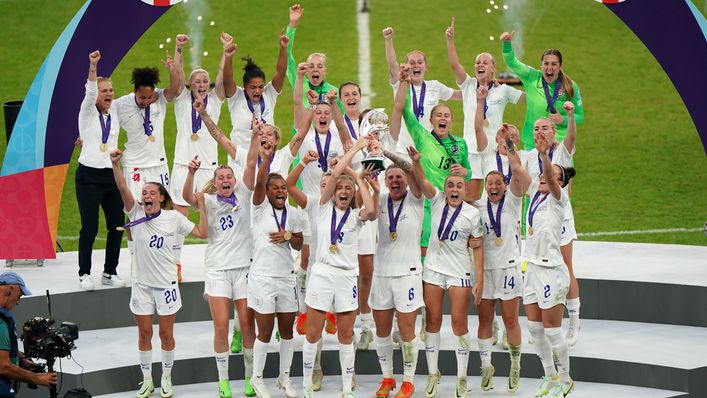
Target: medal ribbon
column 252, row 109
column 105, row 126
column 323, row 155
column 540, row 161
column 499, row 165
column 486, row 106
column 142, row 219
column 439, row 140
column 280, row 223
column 393, row 218
column 231, row 200
column 555, row 93
column 444, row 235
column 335, row 229
column 418, row 107
column 146, row 119
column 350, row 126
column 195, row 116
column 534, row 207
column 261, row 161
column 495, row 224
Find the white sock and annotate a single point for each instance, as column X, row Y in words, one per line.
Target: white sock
column 177, row 248
column 167, row 363
column 146, row 364
column 248, row 361
column 347, row 357
column 309, row 352
column 384, row 349
column 559, row 347
column 366, row 320
column 287, row 350
column 485, row 351
column 260, row 355
column 543, row 346
column 462, row 354
column 222, row 365
column 409, row 360
column 432, row 352
column 573, row 307
column 318, row 357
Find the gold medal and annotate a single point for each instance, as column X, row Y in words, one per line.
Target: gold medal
column 499, row 241
column 530, row 230
column 194, row 136
column 287, row 235
column 486, row 123
column 121, row 229
column 234, row 208
column 441, row 244
column 151, row 138
column 103, row 147
column 332, row 249
column 393, row 235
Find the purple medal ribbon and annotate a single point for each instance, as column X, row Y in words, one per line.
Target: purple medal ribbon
column 418, row 107
column 350, row 126
column 499, row 165
column 260, row 160
column 486, row 106
column 534, row 207
column 195, row 116
column 540, row 161
column 146, row 119
column 142, row 219
column 252, row 109
column 439, row 140
column 556, row 92
column 231, row 200
column 393, row 218
column 442, row 232
column 336, row 229
column 495, row 224
column 283, row 221
column 323, row 155
column 105, row 126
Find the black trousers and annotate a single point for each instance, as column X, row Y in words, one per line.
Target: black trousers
column 94, row 188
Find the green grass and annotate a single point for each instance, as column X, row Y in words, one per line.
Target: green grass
column 640, row 161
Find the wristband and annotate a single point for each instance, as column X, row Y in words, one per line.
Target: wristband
column 301, row 162
column 312, row 107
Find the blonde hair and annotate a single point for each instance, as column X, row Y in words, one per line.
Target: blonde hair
column 321, row 55
column 276, row 130
column 101, row 79
column 352, row 204
column 196, row 70
column 407, row 56
column 210, row 185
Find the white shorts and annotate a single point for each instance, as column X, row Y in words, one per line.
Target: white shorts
column 269, row 295
column 144, row 300
column 367, row 238
column 230, row 283
column 404, row 293
column 569, row 233
column 329, row 290
column 445, row 281
column 475, row 165
column 503, row 283
column 546, row 286
column 179, row 175
column 136, row 178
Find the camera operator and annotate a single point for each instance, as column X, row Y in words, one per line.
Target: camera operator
column 12, row 363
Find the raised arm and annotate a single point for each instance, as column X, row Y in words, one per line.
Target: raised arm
column 457, row 68
column 393, row 69
column 295, row 15
column 571, row 137
column 216, row 133
column 520, row 179
column 188, row 190
column 260, row 191
column 542, row 145
column 369, row 210
column 176, row 68
column 298, row 89
column 344, row 134
column 125, row 194
column 303, row 128
column 251, row 161
column 418, row 173
column 281, row 69
column 522, row 70
column 93, row 59
column 225, row 86
column 400, row 103
column 481, row 140
column 292, row 189
column 201, row 230
column 341, row 165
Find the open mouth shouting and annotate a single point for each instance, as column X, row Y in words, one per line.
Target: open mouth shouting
column 149, row 206
column 280, row 200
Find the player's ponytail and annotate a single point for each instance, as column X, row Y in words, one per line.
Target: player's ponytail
column 567, row 86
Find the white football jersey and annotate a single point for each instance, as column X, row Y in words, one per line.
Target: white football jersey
column 140, row 151
column 401, row 256
column 242, row 117
column 185, row 148
column 91, row 132
column 230, row 236
column 434, row 92
column 345, row 257
column 312, row 173
column 508, row 253
column 542, row 247
column 153, row 262
column 560, row 156
column 452, row 257
column 271, row 259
